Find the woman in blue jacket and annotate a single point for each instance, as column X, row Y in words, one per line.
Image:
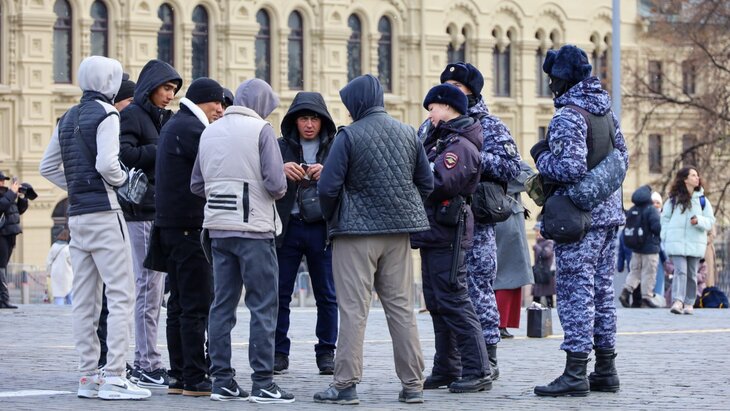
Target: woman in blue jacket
column 687, row 216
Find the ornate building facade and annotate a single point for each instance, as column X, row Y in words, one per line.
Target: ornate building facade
column 314, row 45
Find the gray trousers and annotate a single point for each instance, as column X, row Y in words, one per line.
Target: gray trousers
column 237, row 263
column 100, row 254
column 684, row 283
column 149, row 291
column 361, row 264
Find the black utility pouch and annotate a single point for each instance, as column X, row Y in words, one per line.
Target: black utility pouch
column 447, row 212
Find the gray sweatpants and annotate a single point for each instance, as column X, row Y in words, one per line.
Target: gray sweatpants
column 149, row 291
column 100, row 254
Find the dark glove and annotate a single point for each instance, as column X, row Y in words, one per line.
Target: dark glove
column 539, row 148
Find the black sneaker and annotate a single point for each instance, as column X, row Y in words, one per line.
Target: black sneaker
column 281, row 363
column 175, row 386
column 228, row 392
column 270, row 395
column 326, row 363
column 157, row 379
column 133, row 376
column 201, row 389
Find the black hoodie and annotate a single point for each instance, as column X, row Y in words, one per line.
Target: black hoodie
column 650, row 220
column 140, row 126
column 291, row 149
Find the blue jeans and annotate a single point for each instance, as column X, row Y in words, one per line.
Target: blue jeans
column 239, row 262
column 307, row 239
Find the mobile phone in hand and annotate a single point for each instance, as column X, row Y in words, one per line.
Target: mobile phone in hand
column 304, row 166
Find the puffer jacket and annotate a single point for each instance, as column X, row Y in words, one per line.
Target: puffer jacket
column 140, row 125
column 679, row 236
column 377, row 172
column 453, row 150
column 12, row 207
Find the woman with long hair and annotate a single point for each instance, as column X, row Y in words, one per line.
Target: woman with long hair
column 687, row 216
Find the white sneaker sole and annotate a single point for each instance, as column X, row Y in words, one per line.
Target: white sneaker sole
column 260, row 400
column 116, row 395
column 219, row 397
column 88, row 394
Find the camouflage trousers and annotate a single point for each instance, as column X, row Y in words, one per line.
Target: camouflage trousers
column 584, row 285
column 481, row 263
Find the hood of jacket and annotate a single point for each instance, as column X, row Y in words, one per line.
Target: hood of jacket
column 102, row 75
column 642, row 196
column 258, row 96
column 154, row 74
column 589, row 95
column 362, row 96
column 310, row 101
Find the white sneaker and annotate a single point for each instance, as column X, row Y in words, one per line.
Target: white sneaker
column 677, row 307
column 688, row 309
column 89, row 386
column 119, row 388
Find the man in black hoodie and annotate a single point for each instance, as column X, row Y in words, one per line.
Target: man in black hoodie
column 141, row 122
column 307, row 132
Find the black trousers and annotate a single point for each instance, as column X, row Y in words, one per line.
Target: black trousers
column 460, row 347
column 191, row 294
column 7, row 243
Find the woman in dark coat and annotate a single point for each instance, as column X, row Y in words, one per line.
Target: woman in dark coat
column 545, row 263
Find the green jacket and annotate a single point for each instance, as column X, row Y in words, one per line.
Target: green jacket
column 679, row 236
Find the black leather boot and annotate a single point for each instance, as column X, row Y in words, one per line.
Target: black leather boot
column 471, row 384
column 624, row 298
column 492, row 352
column 435, row 381
column 573, row 382
column 605, row 377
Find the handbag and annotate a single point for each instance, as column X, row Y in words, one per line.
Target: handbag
column 562, row 221
column 490, row 204
column 308, row 200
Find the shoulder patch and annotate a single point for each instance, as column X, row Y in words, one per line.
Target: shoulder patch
column 510, row 148
column 450, row 160
column 556, row 147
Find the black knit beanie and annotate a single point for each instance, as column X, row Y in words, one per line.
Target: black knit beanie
column 204, row 90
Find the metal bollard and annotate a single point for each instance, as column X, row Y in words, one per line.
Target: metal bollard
column 24, row 288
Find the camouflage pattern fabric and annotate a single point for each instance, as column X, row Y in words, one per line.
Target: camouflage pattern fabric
column 584, row 283
column 481, row 263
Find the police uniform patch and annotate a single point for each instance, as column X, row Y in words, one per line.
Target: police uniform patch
column 450, row 160
column 510, row 149
column 556, row 147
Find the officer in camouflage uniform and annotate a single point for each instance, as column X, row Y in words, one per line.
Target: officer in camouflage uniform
column 500, row 162
column 584, row 276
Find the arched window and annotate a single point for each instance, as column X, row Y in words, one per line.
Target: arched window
column 263, row 47
column 62, row 42
column 502, row 67
column 385, row 54
column 454, row 54
column 99, row 29
column 166, row 34
column 541, row 78
column 354, row 48
column 296, row 51
column 200, row 42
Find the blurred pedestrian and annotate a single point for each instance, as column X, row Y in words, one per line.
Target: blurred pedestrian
column 60, row 270
column 544, row 268
column 13, row 203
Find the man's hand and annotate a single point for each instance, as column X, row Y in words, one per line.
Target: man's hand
column 693, row 220
column 294, row 171
column 314, row 171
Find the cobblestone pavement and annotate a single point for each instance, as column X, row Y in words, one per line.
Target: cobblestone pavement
column 665, row 362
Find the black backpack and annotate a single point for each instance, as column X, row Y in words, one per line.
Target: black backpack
column 634, row 233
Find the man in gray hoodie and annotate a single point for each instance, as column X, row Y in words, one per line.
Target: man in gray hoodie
column 83, row 159
column 240, row 172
